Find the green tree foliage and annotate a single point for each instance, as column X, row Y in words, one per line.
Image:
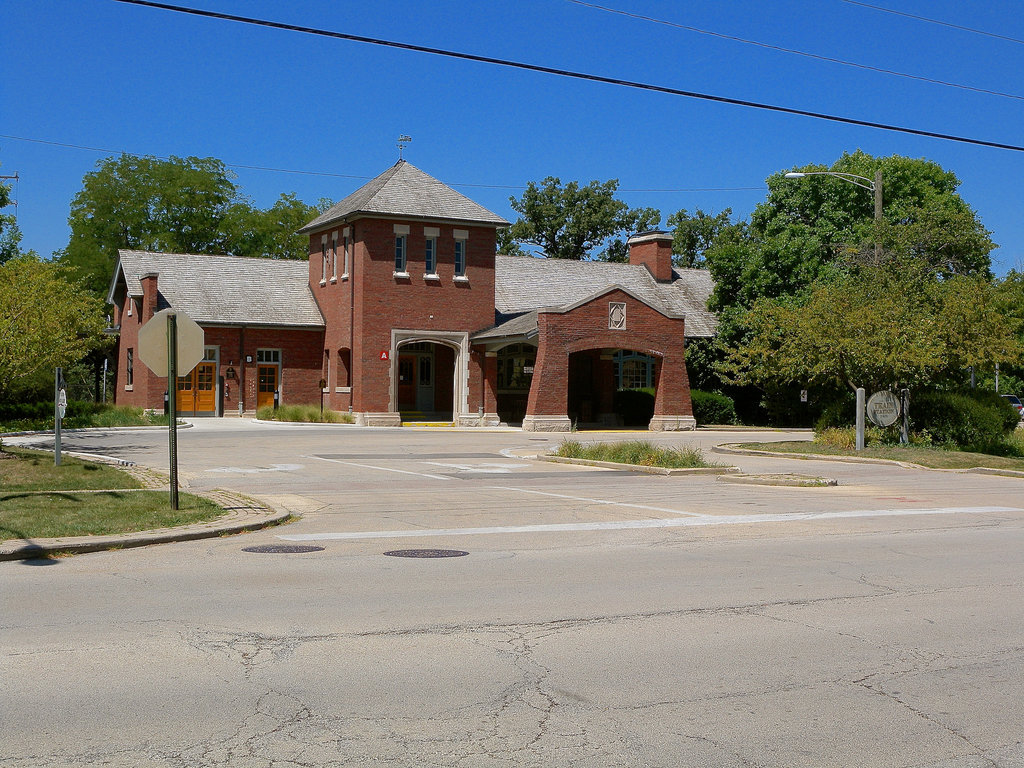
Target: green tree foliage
column 46, row 320
column 876, row 327
column 693, row 235
column 807, row 226
column 179, row 205
column 571, row 222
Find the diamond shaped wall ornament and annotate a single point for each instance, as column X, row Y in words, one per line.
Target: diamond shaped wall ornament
column 617, row 315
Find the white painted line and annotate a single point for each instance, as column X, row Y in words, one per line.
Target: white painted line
column 606, row 502
column 256, row 470
column 487, row 468
column 699, row 521
column 381, row 469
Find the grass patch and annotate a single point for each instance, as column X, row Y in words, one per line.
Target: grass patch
column 309, row 414
column 25, row 470
column 639, row 452
column 83, row 416
column 936, row 458
column 48, row 515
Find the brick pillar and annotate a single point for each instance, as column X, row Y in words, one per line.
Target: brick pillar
column 149, row 295
column 673, row 409
column 548, row 407
column 490, row 361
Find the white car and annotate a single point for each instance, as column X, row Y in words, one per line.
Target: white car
column 1016, row 403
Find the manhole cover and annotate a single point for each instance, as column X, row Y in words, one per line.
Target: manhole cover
column 283, row 549
column 426, row 553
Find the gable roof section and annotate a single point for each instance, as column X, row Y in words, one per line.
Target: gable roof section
column 525, row 283
column 404, row 190
column 225, row 290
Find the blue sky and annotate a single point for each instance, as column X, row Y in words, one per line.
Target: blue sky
column 99, row 73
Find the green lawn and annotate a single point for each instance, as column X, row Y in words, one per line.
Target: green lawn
column 936, row 458
column 78, row 498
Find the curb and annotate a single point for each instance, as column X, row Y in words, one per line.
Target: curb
column 183, row 425
column 782, row 481
column 858, row 460
column 640, row 468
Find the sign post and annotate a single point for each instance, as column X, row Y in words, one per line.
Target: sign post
column 171, row 343
column 60, row 404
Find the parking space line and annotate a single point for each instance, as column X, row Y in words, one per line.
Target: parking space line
column 381, row 469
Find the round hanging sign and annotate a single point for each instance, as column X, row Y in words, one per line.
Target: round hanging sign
column 883, row 408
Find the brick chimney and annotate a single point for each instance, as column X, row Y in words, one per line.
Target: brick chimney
column 654, row 251
column 149, row 294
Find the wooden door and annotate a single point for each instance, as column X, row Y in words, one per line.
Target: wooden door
column 205, row 387
column 407, row 382
column 266, row 385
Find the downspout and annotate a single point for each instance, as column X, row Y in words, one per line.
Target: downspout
column 351, row 320
column 241, row 369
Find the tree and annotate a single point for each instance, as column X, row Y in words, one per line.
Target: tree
column 694, row 235
column 876, row 327
column 806, row 227
column 273, row 233
column 46, row 320
column 183, row 205
column 570, row 222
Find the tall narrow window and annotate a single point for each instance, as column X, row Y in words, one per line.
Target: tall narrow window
column 430, row 256
column 334, row 256
column 400, row 253
column 346, row 246
column 129, row 372
column 460, row 258
column 323, row 259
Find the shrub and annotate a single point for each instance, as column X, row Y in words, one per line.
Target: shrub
column 970, row 420
column 842, row 438
column 637, row 452
column 309, row 414
column 712, row 407
column 841, row 412
column 636, row 406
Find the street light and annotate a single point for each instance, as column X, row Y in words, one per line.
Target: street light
column 876, row 187
column 859, row 181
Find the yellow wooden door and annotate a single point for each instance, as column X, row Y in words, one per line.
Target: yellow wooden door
column 204, row 387
column 266, row 385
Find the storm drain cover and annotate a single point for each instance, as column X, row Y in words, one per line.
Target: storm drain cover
column 283, row 549
column 426, row 553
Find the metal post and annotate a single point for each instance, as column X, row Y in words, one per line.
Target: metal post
column 997, row 378
column 905, row 409
column 878, row 214
column 57, row 382
column 106, row 360
column 172, row 403
column 860, row 418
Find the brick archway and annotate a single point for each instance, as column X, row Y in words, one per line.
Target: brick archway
column 613, row 320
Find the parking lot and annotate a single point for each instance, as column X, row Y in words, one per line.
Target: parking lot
column 599, row 617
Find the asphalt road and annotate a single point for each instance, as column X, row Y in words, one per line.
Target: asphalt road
column 600, row 618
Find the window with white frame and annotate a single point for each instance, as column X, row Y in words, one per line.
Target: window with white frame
column 460, row 258
column 430, row 256
column 346, row 245
column 334, row 255
column 400, row 255
column 323, row 259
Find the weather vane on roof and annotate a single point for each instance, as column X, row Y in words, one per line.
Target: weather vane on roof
column 403, row 140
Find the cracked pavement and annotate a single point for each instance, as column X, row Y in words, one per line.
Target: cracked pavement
column 878, row 641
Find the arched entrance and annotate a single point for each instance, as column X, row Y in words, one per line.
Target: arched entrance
column 611, row 388
column 515, row 365
column 425, row 381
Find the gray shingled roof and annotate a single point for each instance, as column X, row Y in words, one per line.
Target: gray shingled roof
column 525, row 283
column 404, row 190
column 225, row 290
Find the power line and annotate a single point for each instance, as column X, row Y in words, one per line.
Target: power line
column 796, row 52
column 935, row 21
column 347, row 175
column 576, row 75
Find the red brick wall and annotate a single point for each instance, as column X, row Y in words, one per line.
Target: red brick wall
column 382, row 302
column 586, row 328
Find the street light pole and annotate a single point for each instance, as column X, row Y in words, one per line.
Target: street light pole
column 860, row 181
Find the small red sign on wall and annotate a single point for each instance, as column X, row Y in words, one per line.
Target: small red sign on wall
column 384, row 355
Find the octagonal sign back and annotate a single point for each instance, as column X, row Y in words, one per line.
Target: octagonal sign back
column 153, row 343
